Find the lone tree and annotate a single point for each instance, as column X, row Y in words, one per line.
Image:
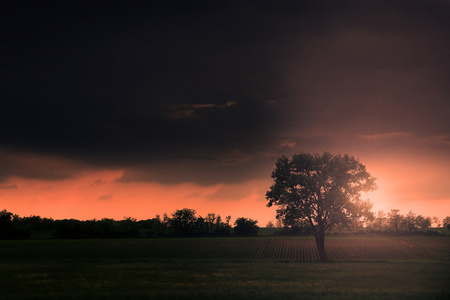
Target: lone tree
column 321, row 191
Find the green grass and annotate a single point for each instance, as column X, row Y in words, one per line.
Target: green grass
column 200, row 268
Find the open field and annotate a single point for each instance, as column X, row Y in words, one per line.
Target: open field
column 226, row 268
column 359, row 248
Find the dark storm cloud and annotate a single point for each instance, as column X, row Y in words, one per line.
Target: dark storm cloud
column 212, row 92
column 29, row 165
column 228, row 169
column 139, row 85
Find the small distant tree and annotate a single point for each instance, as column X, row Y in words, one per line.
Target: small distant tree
column 200, row 226
column 6, row 225
column 410, row 221
column 446, row 223
column 183, row 222
column 246, row 227
column 160, row 226
column 270, row 224
column 210, row 222
column 222, row 228
column 395, row 220
column 423, row 222
column 436, row 222
column 362, row 213
column 166, row 221
column 380, row 220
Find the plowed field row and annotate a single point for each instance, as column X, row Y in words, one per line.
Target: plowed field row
column 376, row 248
column 304, row 249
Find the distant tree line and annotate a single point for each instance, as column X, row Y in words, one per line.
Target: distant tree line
column 186, row 223
column 392, row 222
column 182, row 223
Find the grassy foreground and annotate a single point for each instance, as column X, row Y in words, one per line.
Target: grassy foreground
column 134, row 269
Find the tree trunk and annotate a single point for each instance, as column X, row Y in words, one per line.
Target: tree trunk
column 320, row 242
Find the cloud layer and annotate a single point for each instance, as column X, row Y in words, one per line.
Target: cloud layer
column 213, row 93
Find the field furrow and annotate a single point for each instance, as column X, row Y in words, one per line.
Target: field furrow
column 274, row 248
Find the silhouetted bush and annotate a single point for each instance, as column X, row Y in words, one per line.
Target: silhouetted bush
column 245, row 227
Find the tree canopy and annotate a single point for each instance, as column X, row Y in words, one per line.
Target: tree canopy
column 320, row 190
column 246, row 227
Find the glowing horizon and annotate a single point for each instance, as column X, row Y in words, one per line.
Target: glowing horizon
column 100, row 194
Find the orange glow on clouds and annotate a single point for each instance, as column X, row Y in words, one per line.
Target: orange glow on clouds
column 404, row 184
column 99, row 195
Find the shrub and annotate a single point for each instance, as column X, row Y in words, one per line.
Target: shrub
column 246, row 227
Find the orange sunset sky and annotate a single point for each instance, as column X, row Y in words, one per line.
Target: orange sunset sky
column 112, row 110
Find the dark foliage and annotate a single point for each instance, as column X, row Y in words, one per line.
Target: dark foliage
column 245, row 227
column 447, row 223
column 183, row 223
column 11, row 227
column 105, row 228
column 321, row 190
